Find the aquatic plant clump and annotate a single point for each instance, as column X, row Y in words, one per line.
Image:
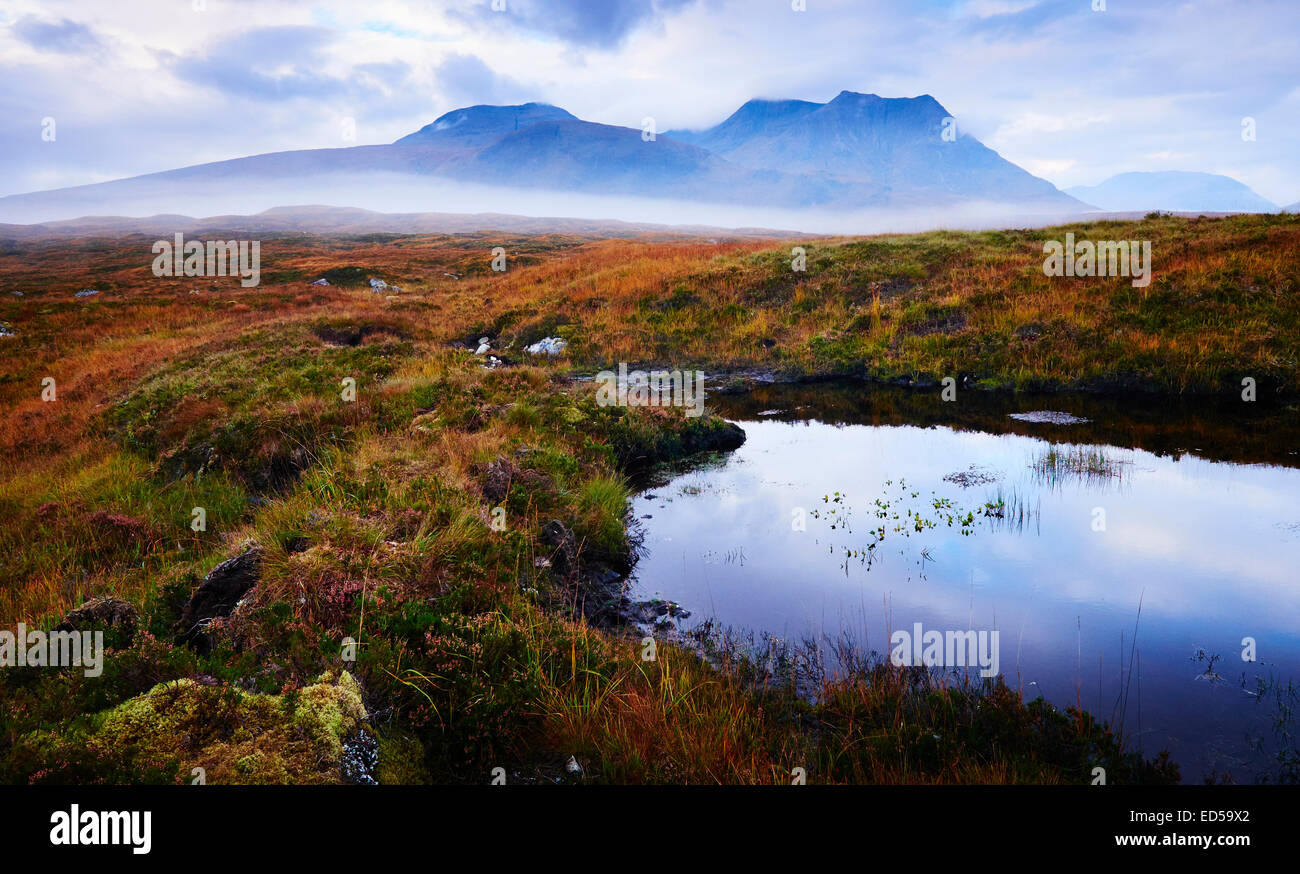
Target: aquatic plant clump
column 905, row 513
column 1088, row 464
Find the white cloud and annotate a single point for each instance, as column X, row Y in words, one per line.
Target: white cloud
column 990, row 8
column 1048, row 168
column 1031, row 123
column 1051, row 86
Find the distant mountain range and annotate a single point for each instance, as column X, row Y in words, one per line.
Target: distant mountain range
column 1173, row 190
column 859, row 151
column 770, row 162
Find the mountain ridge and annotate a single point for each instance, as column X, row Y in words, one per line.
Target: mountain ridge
column 1172, row 190
column 857, row 151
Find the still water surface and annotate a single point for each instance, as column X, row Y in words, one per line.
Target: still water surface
column 1182, row 525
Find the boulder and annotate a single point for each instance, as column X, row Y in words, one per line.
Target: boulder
column 102, row 612
column 501, row 474
column 564, row 549
column 217, row 596
column 547, row 346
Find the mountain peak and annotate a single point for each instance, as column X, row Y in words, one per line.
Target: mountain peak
column 847, row 95
column 767, row 110
column 892, row 142
column 922, row 105
column 481, row 124
column 752, row 118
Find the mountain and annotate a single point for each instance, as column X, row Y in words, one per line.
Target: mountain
column 586, row 157
column 856, row 152
column 482, row 125
column 1172, row 190
column 897, row 143
column 1295, row 207
column 751, row 120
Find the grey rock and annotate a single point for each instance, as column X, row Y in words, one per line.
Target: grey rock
column 111, row 612
column 217, row 596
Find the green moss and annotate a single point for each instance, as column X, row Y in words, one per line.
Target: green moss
column 401, row 761
column 328, row 712
column 233, row 735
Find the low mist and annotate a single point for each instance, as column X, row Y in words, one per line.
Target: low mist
column 401, row 193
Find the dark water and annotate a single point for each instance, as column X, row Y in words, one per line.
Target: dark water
column 1200, row 547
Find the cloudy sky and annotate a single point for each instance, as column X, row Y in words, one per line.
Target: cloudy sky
column 1068, row 92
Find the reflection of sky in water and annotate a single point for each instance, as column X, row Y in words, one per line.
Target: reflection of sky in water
column 1205, row 546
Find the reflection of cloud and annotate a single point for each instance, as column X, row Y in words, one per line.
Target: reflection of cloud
column 1194, row 539
column 1193, row 544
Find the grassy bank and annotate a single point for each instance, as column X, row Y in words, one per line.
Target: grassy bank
column 465, row 527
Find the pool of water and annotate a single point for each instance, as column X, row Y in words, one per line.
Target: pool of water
column 1122, row 551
